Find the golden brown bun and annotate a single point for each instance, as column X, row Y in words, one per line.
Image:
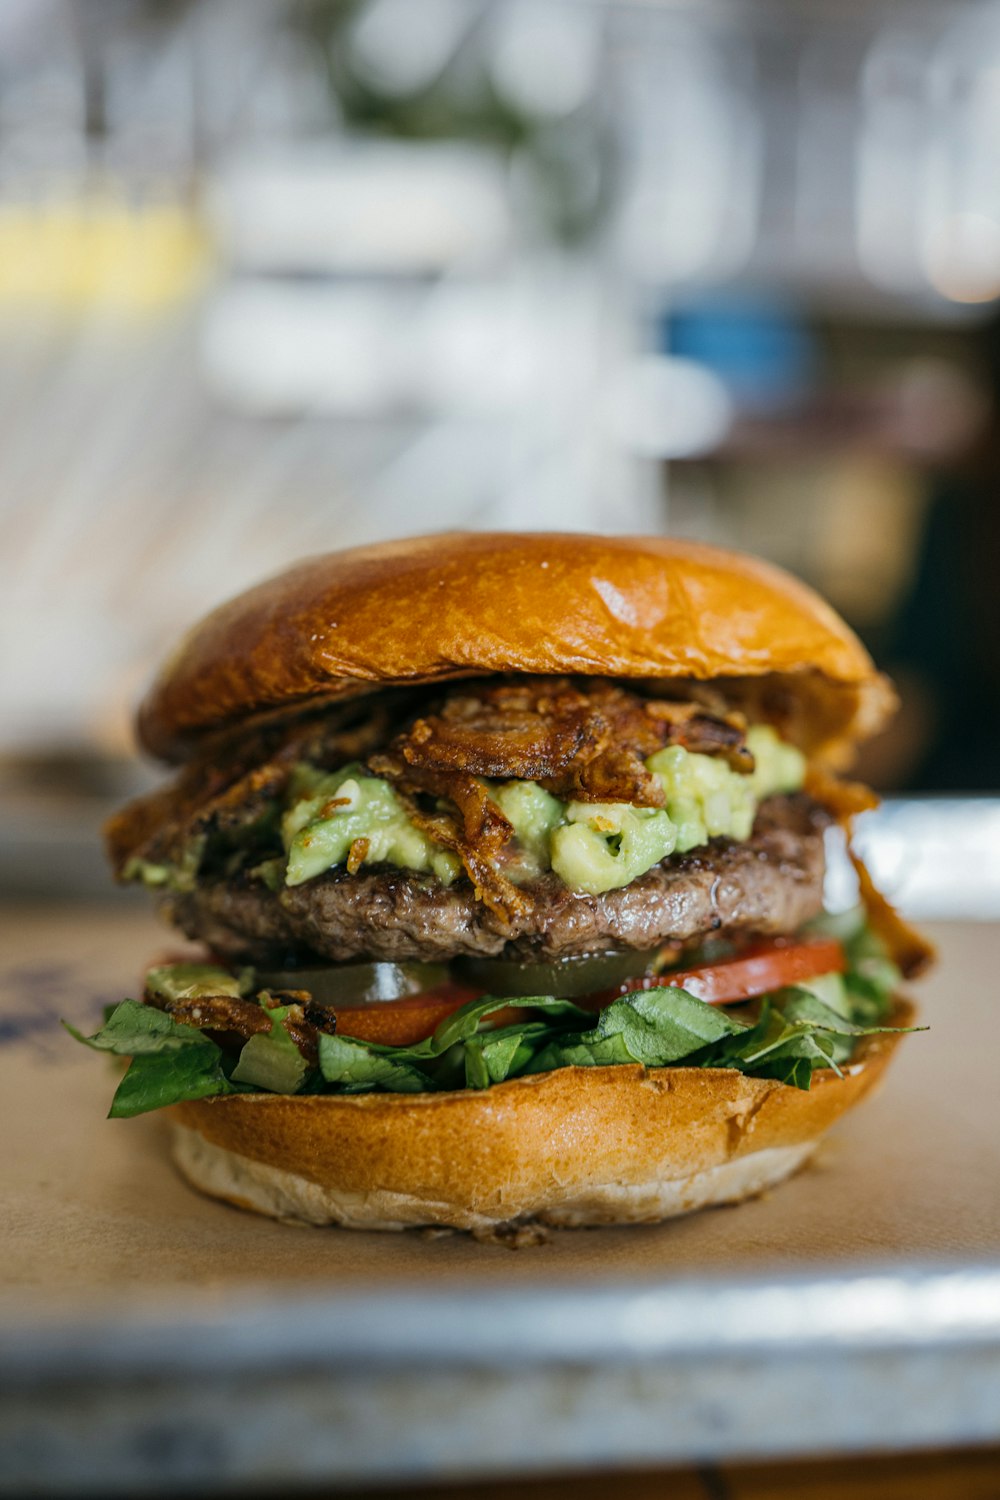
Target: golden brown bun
column 575, row 1146
column 464, row 604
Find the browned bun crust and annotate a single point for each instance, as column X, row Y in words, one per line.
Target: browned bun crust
column 575, row 1146
column 465, row 604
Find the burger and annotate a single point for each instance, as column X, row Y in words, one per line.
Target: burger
column 504, row 856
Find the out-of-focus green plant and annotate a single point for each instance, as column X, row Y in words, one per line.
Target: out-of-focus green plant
column 567, row 161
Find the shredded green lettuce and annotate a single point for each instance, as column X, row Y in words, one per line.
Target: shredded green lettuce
column 787, row 1036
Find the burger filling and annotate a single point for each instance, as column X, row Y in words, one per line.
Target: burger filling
column 529, row 816
column 347, row 817
column 206, row 1031
column 421, row 891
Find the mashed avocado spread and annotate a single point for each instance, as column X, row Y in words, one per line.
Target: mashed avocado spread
column 346, row 817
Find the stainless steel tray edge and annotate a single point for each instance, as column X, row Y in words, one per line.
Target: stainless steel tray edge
column 316, row 1389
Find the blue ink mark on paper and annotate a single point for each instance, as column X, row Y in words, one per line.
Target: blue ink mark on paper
column 36, row 998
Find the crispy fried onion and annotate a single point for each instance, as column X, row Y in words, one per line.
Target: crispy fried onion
column 844, row 799
column 913, row 953
column 231, row 1019
column 222, row 798
column 171, row 827
column 588, row 745
column 463, row 818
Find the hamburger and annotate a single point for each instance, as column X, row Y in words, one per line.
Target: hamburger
column 505, row 855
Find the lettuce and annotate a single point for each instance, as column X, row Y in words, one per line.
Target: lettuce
column 792, row 1033
column 170, row 1061
column 442, row 1060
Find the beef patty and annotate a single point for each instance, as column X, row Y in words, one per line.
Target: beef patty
column 771, row 883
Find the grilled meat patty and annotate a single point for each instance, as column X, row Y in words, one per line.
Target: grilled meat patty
column 771, row 883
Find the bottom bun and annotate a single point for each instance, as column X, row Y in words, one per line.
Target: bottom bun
column 578, row 1146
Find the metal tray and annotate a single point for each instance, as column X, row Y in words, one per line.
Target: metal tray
column 153, row 1340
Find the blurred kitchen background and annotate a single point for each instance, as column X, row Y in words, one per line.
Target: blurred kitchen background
column 278, row 276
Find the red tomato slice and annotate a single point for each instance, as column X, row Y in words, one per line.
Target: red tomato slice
column 755, row 971
column 400, row 1023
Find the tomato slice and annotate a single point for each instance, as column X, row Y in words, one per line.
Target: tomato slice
column 756, row 970
column 400, row 1023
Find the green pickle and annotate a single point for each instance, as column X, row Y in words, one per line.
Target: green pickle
column 563, row 978
column 357, row 984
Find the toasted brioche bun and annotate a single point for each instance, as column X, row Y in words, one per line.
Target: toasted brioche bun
column 435, row 608
column 577, row 1146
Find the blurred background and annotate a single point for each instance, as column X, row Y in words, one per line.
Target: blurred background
column 283, row 275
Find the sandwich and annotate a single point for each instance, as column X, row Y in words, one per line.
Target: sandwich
column 504, row 859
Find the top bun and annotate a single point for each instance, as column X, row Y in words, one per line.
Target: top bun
column 467, row 604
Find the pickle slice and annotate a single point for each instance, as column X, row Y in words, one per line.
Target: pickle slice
column 563, row 978
column 356, row 984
